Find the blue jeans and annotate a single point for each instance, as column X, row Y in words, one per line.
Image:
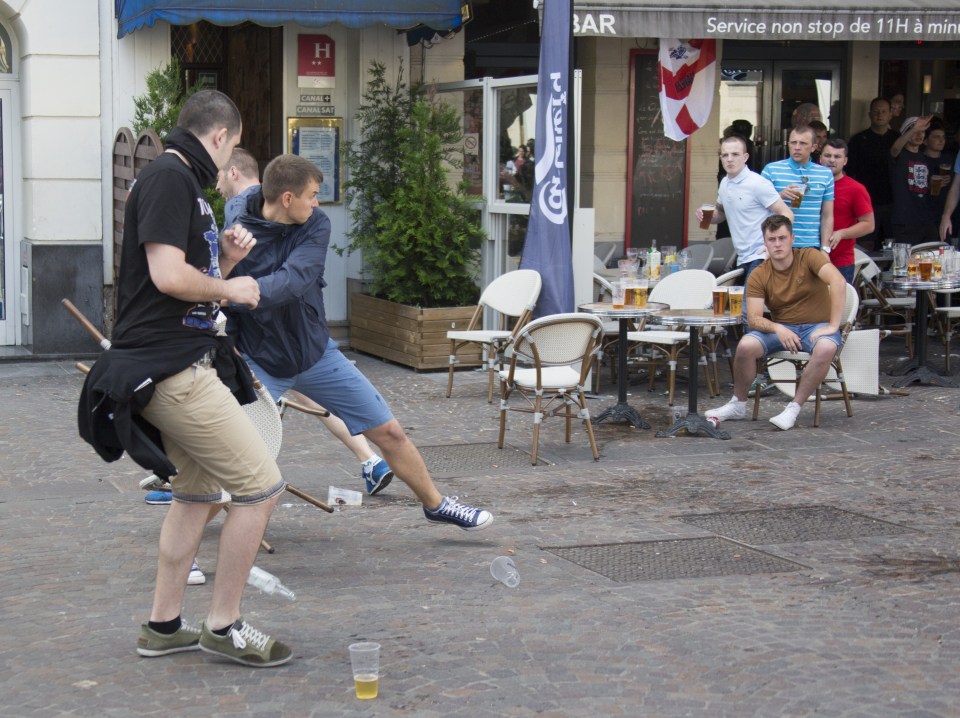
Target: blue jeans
column 337, row 385
column 848, row 272
column 771, row 342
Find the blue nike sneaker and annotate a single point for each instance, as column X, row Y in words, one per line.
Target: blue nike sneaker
column 377, row 477
column 158, row 498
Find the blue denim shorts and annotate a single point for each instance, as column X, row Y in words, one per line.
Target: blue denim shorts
column 771, row 343
column 337, row 385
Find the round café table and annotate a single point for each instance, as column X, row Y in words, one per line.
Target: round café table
column 919, row 369
column 693, row 423
column 622, row 411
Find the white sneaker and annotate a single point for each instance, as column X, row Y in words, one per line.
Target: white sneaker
column 733, row 410
column 787, row 418
column 196, row 577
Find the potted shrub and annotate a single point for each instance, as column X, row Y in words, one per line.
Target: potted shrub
column 419, row 235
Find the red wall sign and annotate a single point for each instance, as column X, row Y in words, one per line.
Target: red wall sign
column 316, row 61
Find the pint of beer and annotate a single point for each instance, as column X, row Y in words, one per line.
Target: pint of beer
column 708, row 210
column 936, row 184
column 797, row 201
column 719, row 300
column 736, row 300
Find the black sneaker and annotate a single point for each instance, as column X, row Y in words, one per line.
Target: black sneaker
column 245, row 644
column 152, row 644
column 451, row 511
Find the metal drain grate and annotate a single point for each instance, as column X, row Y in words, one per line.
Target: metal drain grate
column 674, row 558
column 792, row 525
column 459, row 459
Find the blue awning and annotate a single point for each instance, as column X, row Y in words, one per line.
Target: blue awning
column 401, row 14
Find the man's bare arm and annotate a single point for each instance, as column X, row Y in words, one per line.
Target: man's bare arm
column 172, row 275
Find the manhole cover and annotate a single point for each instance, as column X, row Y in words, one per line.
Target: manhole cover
column 459, row 459
column 792, row 525
column 674, row 558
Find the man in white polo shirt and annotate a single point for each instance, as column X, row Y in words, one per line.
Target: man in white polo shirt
column 799, row 176
column 744, row 200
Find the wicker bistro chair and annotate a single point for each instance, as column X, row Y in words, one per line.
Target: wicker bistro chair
column 689, row 289
column 513, row 294
column 701, row 255
column 878, row 306
column 713, row 337
column 785, row 368
column 558, row 351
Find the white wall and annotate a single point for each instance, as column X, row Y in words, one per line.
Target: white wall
column 60, row 103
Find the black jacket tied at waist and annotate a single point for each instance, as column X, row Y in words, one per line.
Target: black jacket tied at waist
column 121, row 383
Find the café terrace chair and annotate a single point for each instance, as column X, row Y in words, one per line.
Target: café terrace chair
column 511, row 295
column 713, row 337
column 687, row 289
column 785, row 368
column 878, row 307
column 700, row 255
column 603, row 292
column 550, row 359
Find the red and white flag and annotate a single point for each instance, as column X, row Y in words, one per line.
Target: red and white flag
column 688, row 80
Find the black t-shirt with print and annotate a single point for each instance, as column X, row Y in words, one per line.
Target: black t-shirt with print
column 167, row 206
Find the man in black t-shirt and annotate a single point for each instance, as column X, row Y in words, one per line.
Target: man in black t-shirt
column 171, row 280
column 869, row 164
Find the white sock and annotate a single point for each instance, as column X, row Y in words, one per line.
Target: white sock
column 371, row 461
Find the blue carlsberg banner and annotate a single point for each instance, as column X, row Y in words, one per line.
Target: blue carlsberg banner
column 547, row 246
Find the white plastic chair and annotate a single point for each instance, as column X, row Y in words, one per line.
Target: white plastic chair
column 785, row 368
column 513, row 294
column 689, row 289
column 559, row 350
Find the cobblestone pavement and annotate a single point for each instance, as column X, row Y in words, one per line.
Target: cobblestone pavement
column 862, row 625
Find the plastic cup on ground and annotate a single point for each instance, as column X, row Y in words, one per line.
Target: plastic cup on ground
column 365, row 662
column 505, row 572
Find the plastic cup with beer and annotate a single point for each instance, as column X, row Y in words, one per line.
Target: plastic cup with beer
column 708, row 210
column 735, row 295
column 925, row 268
column 720, row 300
column 797, row 201
column 365, row 661
column 637, row 292
column 912, row 263
column 936, row 184
column 619, row 288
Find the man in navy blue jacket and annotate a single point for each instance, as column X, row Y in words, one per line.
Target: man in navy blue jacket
column 286, row 341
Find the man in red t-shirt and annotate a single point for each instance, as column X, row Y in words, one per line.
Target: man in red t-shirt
column 852, row 209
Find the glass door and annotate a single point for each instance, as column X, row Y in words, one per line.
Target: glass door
column 766, row 94
column 9, row 319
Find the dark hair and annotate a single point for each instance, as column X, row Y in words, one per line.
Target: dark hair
column 817, row 125
column 288, row 173
column 742, row 127
column 875, row 100
column 245, row 162
column 736, row 138
column 775, row 222
column 838, row 143
column 209, row 110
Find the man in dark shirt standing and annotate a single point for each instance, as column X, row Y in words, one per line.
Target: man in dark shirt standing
column 869, row 164
column 173, row 261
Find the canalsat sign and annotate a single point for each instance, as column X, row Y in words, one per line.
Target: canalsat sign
column 766, row 23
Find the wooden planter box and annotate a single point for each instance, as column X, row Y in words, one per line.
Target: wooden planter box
column 408, row 335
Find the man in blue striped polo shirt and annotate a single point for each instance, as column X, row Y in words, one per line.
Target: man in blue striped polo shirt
column 799, row 177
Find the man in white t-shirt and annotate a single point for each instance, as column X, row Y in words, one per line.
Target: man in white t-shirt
column 744, row 200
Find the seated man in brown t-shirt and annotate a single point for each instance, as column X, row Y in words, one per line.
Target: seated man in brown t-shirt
column 805, row 294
